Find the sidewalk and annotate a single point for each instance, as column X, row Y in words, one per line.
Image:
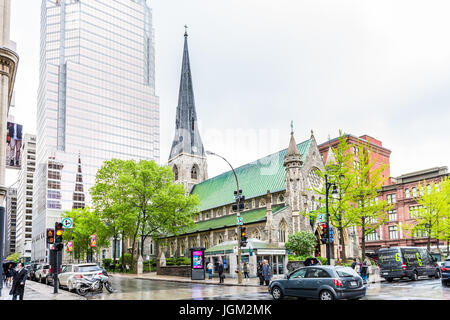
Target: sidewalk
column 38, row 291
column 252, row 282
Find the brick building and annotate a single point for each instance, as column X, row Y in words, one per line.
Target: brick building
column 402, row 192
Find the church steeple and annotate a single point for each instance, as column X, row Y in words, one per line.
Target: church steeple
column 187, row 137
column 187, row 156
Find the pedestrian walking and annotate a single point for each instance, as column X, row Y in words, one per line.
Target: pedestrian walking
column 354, row 263
column 245, row 268
column 18, row 285
column 9, row 275
column 220, row 271
column 210, row 268
column 266, row 272
column 259, row 271
column 365, row 270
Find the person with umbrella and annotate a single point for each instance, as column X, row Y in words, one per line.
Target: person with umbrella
column 18, row 286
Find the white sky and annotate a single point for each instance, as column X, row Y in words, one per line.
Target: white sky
column 380, row 68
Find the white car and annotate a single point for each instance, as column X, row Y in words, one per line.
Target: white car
column 71, row 272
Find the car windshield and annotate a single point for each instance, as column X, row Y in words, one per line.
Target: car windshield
column 446, row 264
column 346, row 272
column 88, row 268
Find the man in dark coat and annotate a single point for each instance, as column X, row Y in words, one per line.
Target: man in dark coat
column 260, row 273
column 18, row 286
column 220, row 270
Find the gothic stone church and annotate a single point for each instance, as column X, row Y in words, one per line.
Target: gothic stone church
column 277, row 189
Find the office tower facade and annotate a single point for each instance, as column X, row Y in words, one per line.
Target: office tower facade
column 96, row 100
column 8, row 66
column 11, row 215
column 25, row 196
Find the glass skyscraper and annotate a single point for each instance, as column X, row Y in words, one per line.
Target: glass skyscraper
column 96, row 100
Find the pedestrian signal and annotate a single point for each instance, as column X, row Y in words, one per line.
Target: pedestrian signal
column 50, row 236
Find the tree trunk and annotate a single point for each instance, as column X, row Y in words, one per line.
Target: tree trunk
column 123, row 249
column 342, row 243
column 363, row 243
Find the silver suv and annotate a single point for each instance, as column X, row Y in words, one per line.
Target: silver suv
column 71, row 272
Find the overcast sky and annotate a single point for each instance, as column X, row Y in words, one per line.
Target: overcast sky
column 380, row 68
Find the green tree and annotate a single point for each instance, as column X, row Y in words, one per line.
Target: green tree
column 14, row 257
column 301, row 243
column 86, row 222
column 366, row 210
column 432, row 212
column 339, row 171
column 143, row 197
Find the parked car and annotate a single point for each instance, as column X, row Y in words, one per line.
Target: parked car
column 445, row 272
column 42, row 272
column 71, row 272
column 49, row 278
column 320, row 282
column 33, row 269
column 28, row 268
column 407, row 262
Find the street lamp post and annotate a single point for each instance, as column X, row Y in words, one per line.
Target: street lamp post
column 238, row 214
column 334, row 194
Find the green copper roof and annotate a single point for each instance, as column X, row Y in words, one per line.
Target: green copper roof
column 255, row 179
column 250, row 216
column 227, row 246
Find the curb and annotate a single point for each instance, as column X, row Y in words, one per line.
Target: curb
column 199, row 282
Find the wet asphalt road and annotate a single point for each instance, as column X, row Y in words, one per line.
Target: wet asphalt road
column 136, row 289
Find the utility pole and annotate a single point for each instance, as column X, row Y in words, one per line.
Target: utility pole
column 239, row 199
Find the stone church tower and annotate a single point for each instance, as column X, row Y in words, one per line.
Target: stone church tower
column 294, row 182
column 187, row 156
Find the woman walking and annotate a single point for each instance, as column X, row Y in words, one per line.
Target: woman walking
column 267, row 272
column 9, row 275
column 260, row 273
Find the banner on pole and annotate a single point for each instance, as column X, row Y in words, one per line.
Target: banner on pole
column 69, row 246
column 93, row 240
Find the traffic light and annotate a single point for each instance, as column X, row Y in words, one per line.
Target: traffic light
column 50, row 236
column 243, row 236
column 58, row 234
column 240, row 201
column 324, row 236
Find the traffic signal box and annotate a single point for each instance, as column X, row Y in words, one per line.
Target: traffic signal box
column 239, row 199
column 59, row 235
column 50, row 236
column 324, row 236
column 243, row 236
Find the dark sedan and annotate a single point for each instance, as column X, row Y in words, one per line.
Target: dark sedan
column 320, row 282
column 445, row 272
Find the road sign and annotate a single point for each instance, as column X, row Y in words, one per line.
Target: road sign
column 321, row 217
column 235, row 249
column 240, row 222
column 67, row 223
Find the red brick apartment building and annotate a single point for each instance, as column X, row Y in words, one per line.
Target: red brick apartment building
column 401, row 191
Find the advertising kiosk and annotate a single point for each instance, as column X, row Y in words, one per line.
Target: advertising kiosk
column 197, row 263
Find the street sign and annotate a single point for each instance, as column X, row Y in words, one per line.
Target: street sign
column 235, row 249
column 67, row 223
column 321, row 217
column 240, row 222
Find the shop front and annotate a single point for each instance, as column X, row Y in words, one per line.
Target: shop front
column 255, row 251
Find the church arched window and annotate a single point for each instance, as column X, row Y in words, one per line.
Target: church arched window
column 205, row 242
column 175, row 172
column 194, row 172
column 282, row 231
column 256, row 234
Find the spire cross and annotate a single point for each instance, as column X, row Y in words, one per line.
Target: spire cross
column 292, row 126
column 185, row 30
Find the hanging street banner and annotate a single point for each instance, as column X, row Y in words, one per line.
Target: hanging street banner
column 69, row 246
column 93, row 240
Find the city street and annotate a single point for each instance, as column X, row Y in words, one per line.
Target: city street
column 138, row 289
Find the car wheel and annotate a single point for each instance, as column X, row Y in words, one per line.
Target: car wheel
column 277, row 294
column 444, row 283
column 414, row 276
column 326, row 295
column 46, row 281
column 389, row 279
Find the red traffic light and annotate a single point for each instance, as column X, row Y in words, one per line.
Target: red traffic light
column 50, row 236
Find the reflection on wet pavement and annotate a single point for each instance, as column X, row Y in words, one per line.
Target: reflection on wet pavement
column 138, row 289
